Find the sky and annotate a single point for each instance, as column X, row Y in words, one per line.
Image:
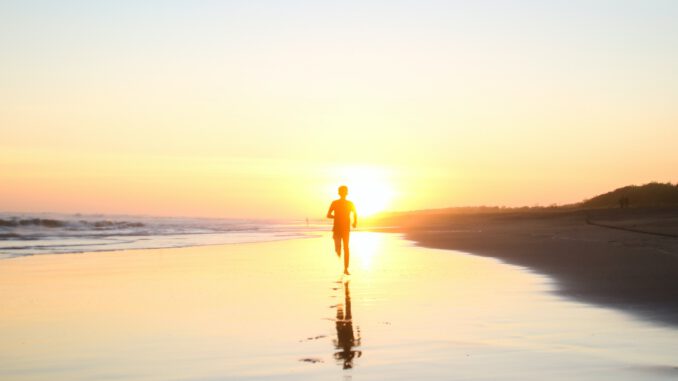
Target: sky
column 260, row 109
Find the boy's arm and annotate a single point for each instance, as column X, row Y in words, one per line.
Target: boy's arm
column 355, row 216
column 330, row 211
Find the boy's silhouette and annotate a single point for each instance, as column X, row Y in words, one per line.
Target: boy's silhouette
column 340, row 210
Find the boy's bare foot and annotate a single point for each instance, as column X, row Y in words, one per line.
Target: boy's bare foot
column 346, row 272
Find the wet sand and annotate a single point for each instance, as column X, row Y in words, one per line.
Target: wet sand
column 627, row 259
column 281, row 310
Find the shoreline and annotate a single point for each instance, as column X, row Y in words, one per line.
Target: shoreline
column 599, row 257
column 610, row 267
column 306, row 235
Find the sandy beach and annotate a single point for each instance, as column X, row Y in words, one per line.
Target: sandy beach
column 626, row 259
column 281, row 310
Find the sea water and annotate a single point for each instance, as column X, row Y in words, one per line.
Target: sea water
column 48, row 233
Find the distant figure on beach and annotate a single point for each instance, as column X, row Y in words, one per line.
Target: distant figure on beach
column 624, row 202
column 340, row 210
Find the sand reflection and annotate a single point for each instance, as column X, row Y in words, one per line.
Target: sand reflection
column 248, row 312
column 346, row 339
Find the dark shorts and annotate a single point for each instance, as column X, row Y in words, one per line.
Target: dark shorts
column 340, row 233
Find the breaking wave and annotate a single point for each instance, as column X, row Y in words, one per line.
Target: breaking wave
column 22, row 235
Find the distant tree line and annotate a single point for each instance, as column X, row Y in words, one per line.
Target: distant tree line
column 648, row 195
column 652, row 194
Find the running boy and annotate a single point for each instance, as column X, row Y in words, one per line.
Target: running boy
column 340, row 210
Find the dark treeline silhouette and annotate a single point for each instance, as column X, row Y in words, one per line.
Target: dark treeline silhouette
column 652, row 194
column 649, row 195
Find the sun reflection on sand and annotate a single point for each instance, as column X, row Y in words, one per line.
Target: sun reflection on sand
column 365, row 249
column 277, row 309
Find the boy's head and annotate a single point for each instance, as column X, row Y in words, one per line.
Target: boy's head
column 343, row 191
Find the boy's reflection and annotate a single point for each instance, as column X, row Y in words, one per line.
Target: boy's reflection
column 346, row 340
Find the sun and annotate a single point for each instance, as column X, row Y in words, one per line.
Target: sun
column 368, row 188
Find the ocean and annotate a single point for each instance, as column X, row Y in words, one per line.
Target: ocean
column 24, row 234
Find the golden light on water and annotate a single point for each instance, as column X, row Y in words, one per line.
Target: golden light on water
column 365, row 249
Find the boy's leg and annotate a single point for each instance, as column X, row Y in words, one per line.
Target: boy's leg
column 337, row 244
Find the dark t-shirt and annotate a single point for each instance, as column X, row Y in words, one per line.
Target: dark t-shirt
column 342, row 214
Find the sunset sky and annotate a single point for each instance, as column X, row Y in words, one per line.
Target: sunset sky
column 262, row 108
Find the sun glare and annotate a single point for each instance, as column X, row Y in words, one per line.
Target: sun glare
column 369, row 188
column 366, row 246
